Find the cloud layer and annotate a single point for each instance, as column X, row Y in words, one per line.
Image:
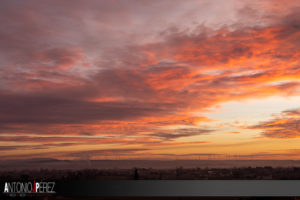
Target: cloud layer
column 286, row 125
column 118, row 71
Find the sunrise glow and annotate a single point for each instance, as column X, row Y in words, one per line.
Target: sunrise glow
column 154, row 79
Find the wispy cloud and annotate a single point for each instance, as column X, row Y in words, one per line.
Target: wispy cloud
column 286, row 125
column 179, row 133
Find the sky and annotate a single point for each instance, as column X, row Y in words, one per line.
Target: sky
column 159, row 79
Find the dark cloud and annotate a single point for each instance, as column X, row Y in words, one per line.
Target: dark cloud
column 287, row 125
column 7, row 148
column 36, row 146
column 292, row 112
column 45, row 109
column 179, row 133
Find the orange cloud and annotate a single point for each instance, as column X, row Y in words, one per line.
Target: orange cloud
column 59, row 81
column 235, row 132
column 284, row 126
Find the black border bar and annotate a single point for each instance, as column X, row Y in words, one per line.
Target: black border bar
column 180, row 188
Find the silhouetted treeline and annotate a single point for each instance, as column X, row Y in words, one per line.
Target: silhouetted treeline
column 249, row 173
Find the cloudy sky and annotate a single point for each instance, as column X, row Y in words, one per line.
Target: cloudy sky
column 159, row 79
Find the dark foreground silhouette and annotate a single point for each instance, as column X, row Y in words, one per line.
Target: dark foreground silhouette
column 245, row 173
